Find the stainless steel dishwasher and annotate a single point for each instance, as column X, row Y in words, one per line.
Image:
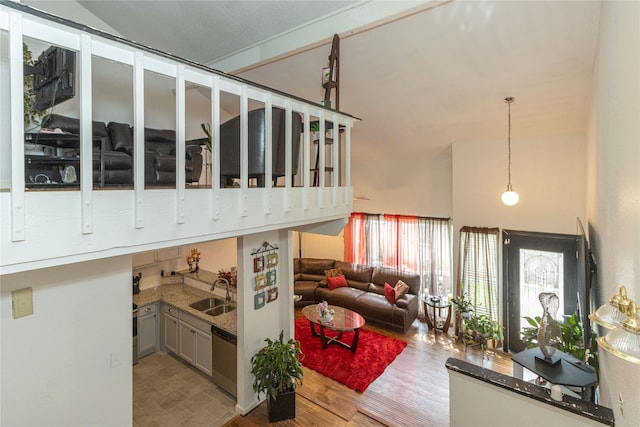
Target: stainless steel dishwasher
column 224, row 361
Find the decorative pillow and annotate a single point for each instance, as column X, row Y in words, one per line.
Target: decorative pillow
column 336, row 282
column 401, row 288
column 389, row 293
column 334, row 272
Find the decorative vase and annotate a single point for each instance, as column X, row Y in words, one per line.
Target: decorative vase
column 549, row 333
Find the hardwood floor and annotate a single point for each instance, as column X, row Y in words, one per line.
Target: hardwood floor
column 413, row 390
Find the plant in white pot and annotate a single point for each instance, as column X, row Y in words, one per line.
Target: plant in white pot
column 277, row 369
column 464, row 306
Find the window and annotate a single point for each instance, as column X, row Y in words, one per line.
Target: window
column 409, row 243
column 478, row 269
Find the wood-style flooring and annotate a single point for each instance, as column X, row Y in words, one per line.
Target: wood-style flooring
column 413, row 390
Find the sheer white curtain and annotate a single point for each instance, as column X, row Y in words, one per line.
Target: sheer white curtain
column 478, row 269
column 410, row 243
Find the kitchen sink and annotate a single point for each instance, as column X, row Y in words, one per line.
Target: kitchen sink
column 207, row 303
column 221, row 309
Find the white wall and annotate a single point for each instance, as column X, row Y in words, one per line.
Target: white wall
column 214, row 255
column 473, row 403
column 614, row 186
column 547, row 172
column 254, row 325
column 68, row 364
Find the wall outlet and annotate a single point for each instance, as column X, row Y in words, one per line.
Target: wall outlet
column 171, row 280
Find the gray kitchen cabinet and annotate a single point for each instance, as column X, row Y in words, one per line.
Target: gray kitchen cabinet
column 186, row 350
column 170, row 329
column 194, row 342
column 147, row 329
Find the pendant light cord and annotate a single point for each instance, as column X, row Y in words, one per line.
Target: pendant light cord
column 509, row 100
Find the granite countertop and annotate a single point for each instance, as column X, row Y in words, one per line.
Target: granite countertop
column 180, row 296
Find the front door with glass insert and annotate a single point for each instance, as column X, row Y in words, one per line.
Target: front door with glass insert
column 535, row 263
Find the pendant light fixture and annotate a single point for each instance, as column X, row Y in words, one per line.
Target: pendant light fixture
column 509, row 197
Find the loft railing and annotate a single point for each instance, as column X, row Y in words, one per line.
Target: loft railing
column 121, row 81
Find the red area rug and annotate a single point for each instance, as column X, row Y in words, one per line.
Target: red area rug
column 355, row 370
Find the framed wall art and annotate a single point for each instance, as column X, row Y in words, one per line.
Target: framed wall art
column 261, row 282
column 271, row 278
column 259, row 300
column 272, row 260
column 258, row 264
column 272, row 294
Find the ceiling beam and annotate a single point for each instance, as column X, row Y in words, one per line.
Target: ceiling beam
column 346, row 22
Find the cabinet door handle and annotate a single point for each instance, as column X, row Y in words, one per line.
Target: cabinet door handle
column 193, row 332
column 146, row 310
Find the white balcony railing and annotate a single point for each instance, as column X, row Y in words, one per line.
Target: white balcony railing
column 117, row 80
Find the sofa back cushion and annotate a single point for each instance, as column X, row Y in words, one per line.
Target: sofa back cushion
column 358, row 276
column 160, row 141
column 121, row 137
column 315, row 265
column 382, row 275
column 71, row 124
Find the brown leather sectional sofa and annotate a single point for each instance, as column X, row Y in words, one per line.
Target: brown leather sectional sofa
column 364, row 293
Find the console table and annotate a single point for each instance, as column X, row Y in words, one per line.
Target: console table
column 569, row 372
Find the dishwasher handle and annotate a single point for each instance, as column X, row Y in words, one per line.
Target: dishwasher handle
column 221, row 333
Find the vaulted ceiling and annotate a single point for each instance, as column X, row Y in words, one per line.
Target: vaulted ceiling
column 421, row 79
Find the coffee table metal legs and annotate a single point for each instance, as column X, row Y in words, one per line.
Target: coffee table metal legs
column 325, row 340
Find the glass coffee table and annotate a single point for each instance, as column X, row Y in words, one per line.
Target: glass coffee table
column 344, row 320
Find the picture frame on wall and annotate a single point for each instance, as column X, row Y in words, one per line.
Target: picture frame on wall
column 258, row 264
column 271, row 278
column 272, row 294
column 272, row 260
column 261, row 282
column 259, row 300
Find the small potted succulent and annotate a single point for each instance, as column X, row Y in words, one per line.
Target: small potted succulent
column 277, row 369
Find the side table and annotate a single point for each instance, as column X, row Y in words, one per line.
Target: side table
column 437, row 313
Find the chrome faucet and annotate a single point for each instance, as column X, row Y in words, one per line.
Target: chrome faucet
column 227, row 298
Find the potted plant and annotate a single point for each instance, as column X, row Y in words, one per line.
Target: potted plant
column 277, row 368
column 206, row 128
column 464, row 306
column 480, row 328
column 31, row 115
column 572, row 339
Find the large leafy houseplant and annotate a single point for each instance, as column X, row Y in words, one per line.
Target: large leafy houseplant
column 277, row 369
column 31, row 116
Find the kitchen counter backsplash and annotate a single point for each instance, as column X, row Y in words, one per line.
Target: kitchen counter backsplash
column 180, row 296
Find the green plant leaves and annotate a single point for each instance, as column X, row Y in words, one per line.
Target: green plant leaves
column 276, row 367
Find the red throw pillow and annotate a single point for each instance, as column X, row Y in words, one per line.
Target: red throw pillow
column 337, row 282
column 390, row 293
